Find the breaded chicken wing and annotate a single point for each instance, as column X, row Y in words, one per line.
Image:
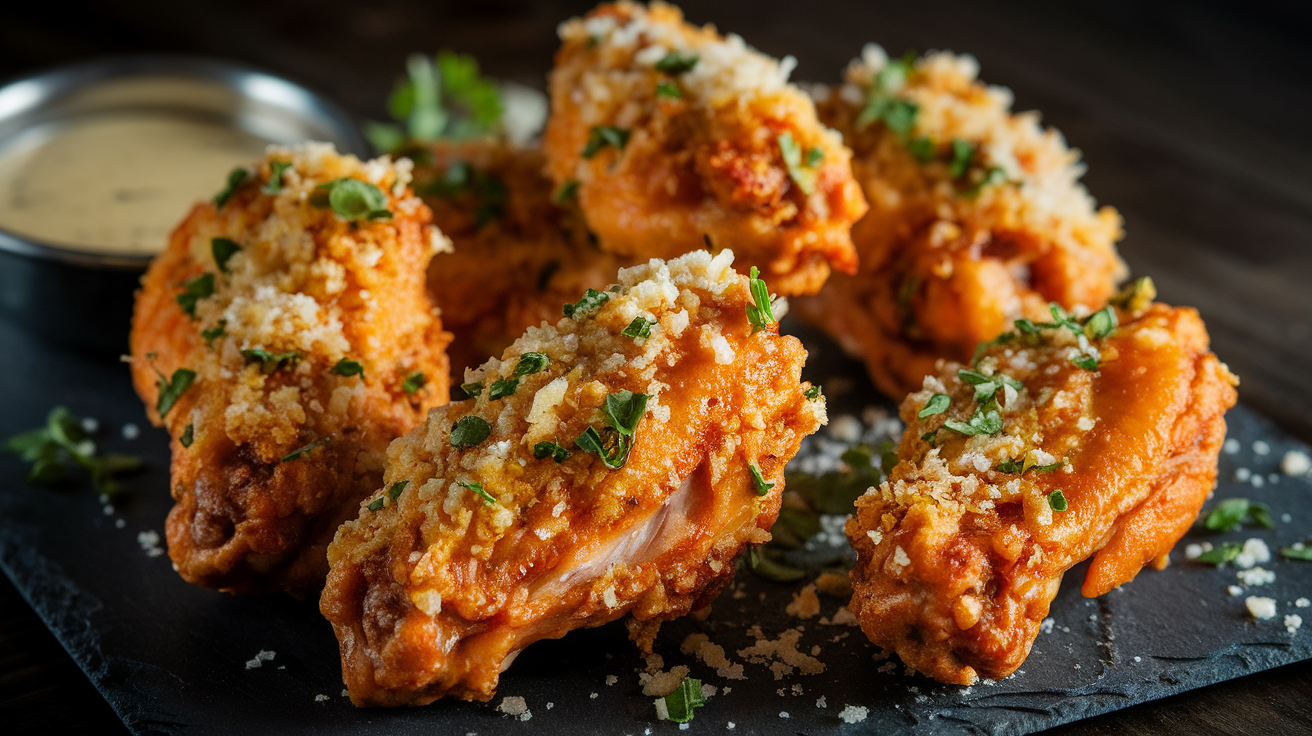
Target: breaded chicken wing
column 674, row 138
column 615, row 463
column 284, row 338
column 976, row 218
column 1053, row 446
column 516, row 255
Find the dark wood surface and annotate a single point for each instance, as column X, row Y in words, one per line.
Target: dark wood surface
column 1194, row 119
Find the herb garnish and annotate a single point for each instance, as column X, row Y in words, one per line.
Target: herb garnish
column 459, row 179
column 274, row 185
column 760, row 314
column 605, row 135
column 397, row 488
column 1096, row 326
column 1057, row 500
column 1221, row 554
column 188, row 436
column 215, row 332
column 677, row 62
column 469, row 431
column 937, row 404
column 488, row 498
column 353, row 199
column 530, row 363
column 300, row 452
column 171, row 389
column 812, row 393
column 923, row 149
column 623, row 411
column 347, row 368
column 223, row 249
column 449, row 101
column 669, row 89
column 963, row 151
column 1299, row 551
column 802, row 173
column 679, row 705
column 376, row 505
column 502, row 387
column 1135, row 297
column 236, row 178
column 270, row 362
column 193, row 291
column 64, row 438
column 414, row 382
column 591, row 301
column 882, row 102
column 1232, row 512
column 1024, row 465
column 567, row 192
column 472, row 390
column 640, row 327
column 550, row 449
column 762, row 487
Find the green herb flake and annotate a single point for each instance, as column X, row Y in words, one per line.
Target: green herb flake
column 347, row 368
column 923, row 149
column 276, row 168
column 353, row 199
column 591, row 301
column 568, row 192
column 612, row 447
column 171, row 389
column 301, row 452
column 201, row 287
column 624, row 409
column 1233, row 512
column 397, row 489
column 447, row 100
column 223, row 250
column 188, row 436
column 677, row 62
column 987, row 419
column 760, row 314
column 602, row 136
column 62, row 443
column 552, row 450
column 530, row 363
column 882, row 103
column 1057, row 500
column 814, row 157
column 488, row 498
column 762, row 487
column 270, row 362
column 1100, row 324
column 687, row 697
column 930, row 437
column 1221, row 554
column 376, row 505
column 640, row 327
column 469, row 431
column 472, row 390
column 1087, row 362
column 1135, row 297
column 236, row 178
column 669, row 89
column 1296, row 552
column 414, row 382
column 804, row 176
column 502, row 387
column 813, row 392
column 215, row 332
column 963, row 152
column 937, row 404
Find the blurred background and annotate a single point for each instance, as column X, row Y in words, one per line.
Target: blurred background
column 1194, row 118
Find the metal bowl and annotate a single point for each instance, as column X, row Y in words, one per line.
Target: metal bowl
column 85, row 298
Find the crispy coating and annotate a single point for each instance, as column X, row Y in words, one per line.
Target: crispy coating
column 705, row 166
column 516, row 255
column 434, row 589
column 976, row 218
column 311, row 285
column 959, row 559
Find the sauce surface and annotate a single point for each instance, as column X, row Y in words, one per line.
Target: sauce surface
column 117, row 183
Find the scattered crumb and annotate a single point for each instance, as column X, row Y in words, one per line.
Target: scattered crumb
column 726, row 691
column 131, row 431
column 550, row 706
column 514, row 705
column 1286, row 518
column 1234, row 590
column 783, row 714
column 805, row 603
column 1292, row 622
column 845, row 428
column 1231, row 446
column 149, row 541
column 834, row 584
column 320, row 698
column 120, row 523
column 708, row 690
column 592, row 696
column 90, row 425
column 1256, row 576
column 1254, row 552
column 1261, row 608
column 1046, row 626
column 797, row 690
column 712, row 655
column 853, row 714
column 260, row 658
column 730, row 725
column 1261, row 448
column 1302, row 603
column 820, row 702
column 346, row 693
column 844, row 617
column 1194, row 551
column 1243, row 474
column 661, row 684
column 1138, row 659
column 784, row 651
column 1295, row 462
column 611, row 680
column 662, row 710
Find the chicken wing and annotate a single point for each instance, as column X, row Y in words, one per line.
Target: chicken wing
column 675, row 138
column 613, row 464
column 1057, row 443
column 976, row 218
column 517, row 255
column 284, row 339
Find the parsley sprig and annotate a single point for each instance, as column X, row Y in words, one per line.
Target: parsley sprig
column 622, row 412
column 1234, row 512
column 760, row 313
column 591, row 302
column 201, row 287
column 446, row 100
column 882, row 102
column 352, row 199
column 801, row 169
column 64, row 443
column 602, row 136
column 687, row 697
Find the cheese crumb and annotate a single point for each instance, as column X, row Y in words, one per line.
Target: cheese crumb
column 1256, row 576
column 1261, row 608
column 820, row 702
column 805, row 603
column 1295, row 462
column 1254, row 552
column 1234, row 590
column 1292, row 622
column 320, row 698
column 514, row 705
column 853, row 714
column 1302, row 603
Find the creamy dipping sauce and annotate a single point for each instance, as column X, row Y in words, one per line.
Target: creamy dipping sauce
column 117, row 183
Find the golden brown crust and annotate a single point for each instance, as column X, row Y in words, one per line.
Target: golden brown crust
column 304, row 282
column 949, row 261
column 959, row 559
column 435, row 592
column 706, row 166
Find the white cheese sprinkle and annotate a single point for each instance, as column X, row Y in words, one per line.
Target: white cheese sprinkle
column 1295, row 462
column 1261, row 608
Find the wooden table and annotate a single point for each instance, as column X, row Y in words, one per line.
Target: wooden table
column 1194, row 121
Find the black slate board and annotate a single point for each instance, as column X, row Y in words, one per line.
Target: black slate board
column 170, row 657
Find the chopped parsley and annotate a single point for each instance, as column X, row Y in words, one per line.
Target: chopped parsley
column 449, row 100
column 669, row 89
column 376, row 505
column 923, row 149
column 63, row 443
column 1024, row 465
column 1135, row 297
column 223, row 249
column 677, row 62
column 640, row 327
column 270, row 362
column 414, row 382
column 603, row 136
column 568, row 192
column 762, row 487
column 502, row 387
column 882, row 103
column 550, row 449
column 397, row 488
column 987, row 419
column 301, row 452
column 488, row 498
column 760, row 314
column 171, row 389
column 623, row 411
column 236, row 178
column 803, row 174
column 1221, row 554
column 188, row 436
column 1233, row 512
column 353, row 199
column 937, row 404
column 201, row 287
column 274, row 185
column 469, row 431
column 688, row 696
column 1096, row 326
column 995, row 175
column 1057, row 500
column 931, row 437
column 963, row 152
column 987, row 386
column 1296, row 552
column 1100, row 324
column 215, row 332
column 347, row 367
column 813, row 392
column 591, row 301
column 472, row 390
column 530, row 363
